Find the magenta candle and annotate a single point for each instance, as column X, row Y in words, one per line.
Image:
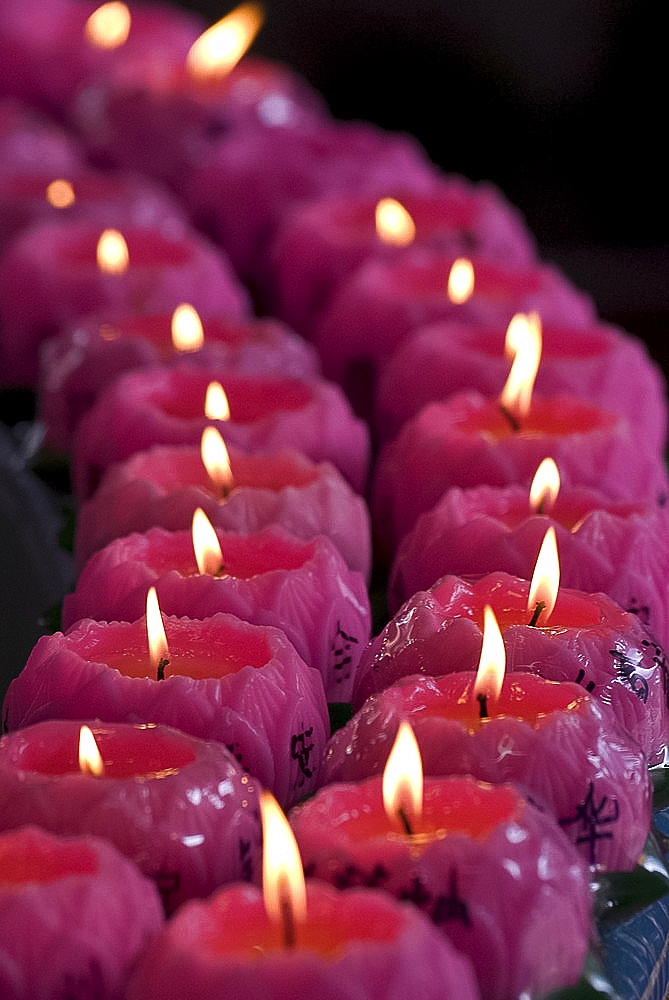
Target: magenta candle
column 30, row 141
column 164, row 485
column 466, row 440
column 588, row 640
column 181, row 809
column 267, row 413
column 561, row 746
column 227, row 680
column 598, row 362
column 49, row 276
column 317, row 246
column 78, row 364
column 497, row 876
column 385, row 300
column 74, row 916
column 355, row 945
column 303, row 588
column 266, row 171
column 621, row 549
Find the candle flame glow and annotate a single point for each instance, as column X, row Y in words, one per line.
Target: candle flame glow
column 283, row 885
column 216, row 403
column 394, row 224
column 108, row 26
column 461, row 281
column 187, row 331
column 523, row 344
column 60, row 193
column 492, row 661
column 402, row 784
column 159, row 652
column 112, row 252
column 207, row 548
column 545, row 579
column 545, row 486
column 219, row 49
column 216, row 459
column 90, row 758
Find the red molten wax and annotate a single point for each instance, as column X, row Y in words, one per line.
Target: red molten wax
column 546, row 416
column 127, row 751
column 523, row 696
column 493, row 283
column 146, row 248
column 25, row 858
column 249, row 399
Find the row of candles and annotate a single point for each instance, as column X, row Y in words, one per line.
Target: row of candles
column 225, row 478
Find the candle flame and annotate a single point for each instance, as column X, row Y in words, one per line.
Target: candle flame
column 219, row 49
column 60, row 193
column 461, row 281
column 108, row 27
column 187, row 332
column 523, row 344
column 159, row 652
column 545, row 486
column 492, row 661
column 545, row 579
column 216, row 402
column 283, row 885
column 394, row 224
column 112, row 252
column 402, row 785
column 90, row 758
column 216, row 459
column 207, row 548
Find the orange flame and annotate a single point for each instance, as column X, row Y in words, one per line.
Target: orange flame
column 216, row 402
column 283, row 885
column 60, row 193
column 108, row 27
column 523, row 344
column 112, row 252
column 545, row 580
column 461, row 281
column 216, row 459
column 492, row 661
column 402, row 785
column 90, row 758
column 545, row 486
column 207, row 548
column 187, row 332
column 159, row 653
column 219, row 49
column 394, row 224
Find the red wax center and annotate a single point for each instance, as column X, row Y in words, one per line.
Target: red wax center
column 559, row 417
column 146, row 248
column 243, row 556
column 31, row 856
column 249, row 399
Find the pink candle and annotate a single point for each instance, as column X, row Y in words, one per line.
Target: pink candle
column 621, row 549
column 267, row 413
column 30, row 141
column 355, row 945
column 317, row 246
column 181, row 809
column 598, row 362
column 85, row 358
column 588, row 639
column 565, row 749
column 164, row 485
column 303, row 588
column 385, row 300
column 266, row 172
column 227, row 680
column 74, row 916
column 466, row 441
column 50, row 276
column 497, row 876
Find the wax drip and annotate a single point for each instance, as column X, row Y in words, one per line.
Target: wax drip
column 512, row 421
column 160, row 670
column 538, row 608
column 404, row 820
column 483, row 705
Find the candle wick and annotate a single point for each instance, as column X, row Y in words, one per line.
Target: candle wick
column 288, row 923
column 483, row 705
column 404, row 820
column 538, row 608
column 540, row 506
column 221, row 571
column 160, row 670
column 513, row 422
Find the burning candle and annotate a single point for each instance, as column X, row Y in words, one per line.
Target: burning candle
column 497, row 876
column 383, row 301
column 295, row 940
column 74, row 915
column 267, row 413
column 598, row 362
column 55, row 272
column 238, row 491
column 565, row 749
column 78, row 364
column 218, row 679
column 321, row 243
column 180, row 808
column 303, row 588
